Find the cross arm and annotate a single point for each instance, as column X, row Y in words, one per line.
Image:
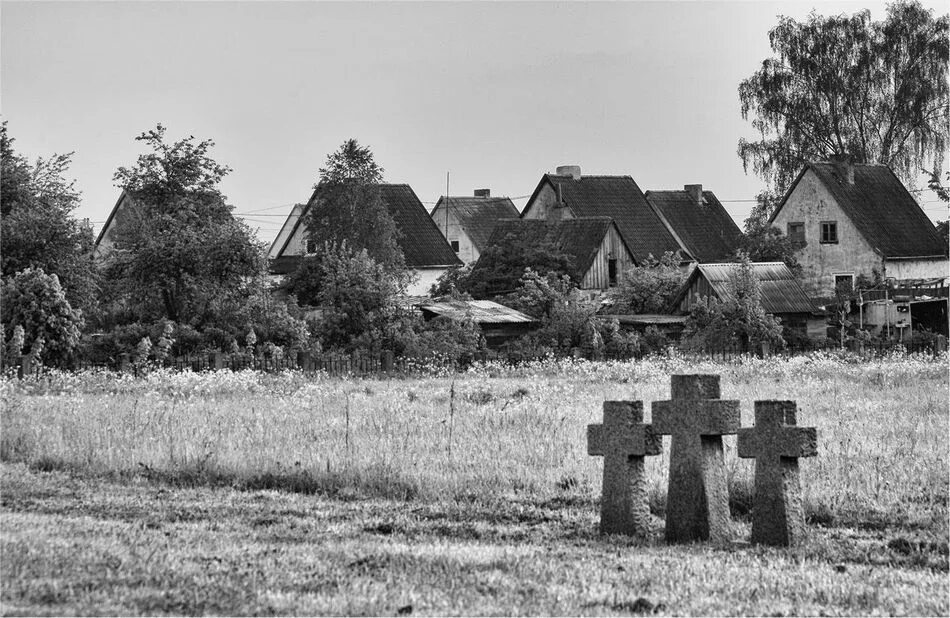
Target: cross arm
column 596, row 440
column 708, row 417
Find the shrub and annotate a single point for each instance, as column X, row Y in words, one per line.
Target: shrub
column 36, row 301
column 454, row 341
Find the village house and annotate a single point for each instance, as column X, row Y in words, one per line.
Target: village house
column 782, row 295
column 124, row 208
column 467, row 222
column 426, row 251
column 857, row 219
column 595, row 245
column 698, row 222
column 569, row 195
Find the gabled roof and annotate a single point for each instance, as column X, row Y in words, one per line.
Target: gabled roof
column 286, row 231
column 880, row 207
column 619, row 198
column 706, row 231
column 781, row 292
column 579, row 238
column 478, row 215
column 422, row 244
column 481, row 311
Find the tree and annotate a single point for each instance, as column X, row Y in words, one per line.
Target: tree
column 500, row 267
column 568, row 321
column 648, row 288
column 358, row 297
column 348, row 207
column 737, row 319
column 37, row 227
column 179, row 254
column 847, row 85
column 37, row 302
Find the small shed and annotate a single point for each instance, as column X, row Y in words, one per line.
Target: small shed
column 498, row 322
column 782, row 295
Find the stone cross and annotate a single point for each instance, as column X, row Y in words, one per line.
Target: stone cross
column 697, row 501
column 623, row 441
column 778, row 513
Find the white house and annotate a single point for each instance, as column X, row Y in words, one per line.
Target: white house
column 855, row 219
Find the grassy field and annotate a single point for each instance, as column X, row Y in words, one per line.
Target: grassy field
column 473, row 494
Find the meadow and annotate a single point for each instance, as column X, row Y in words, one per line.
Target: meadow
column 480, row 473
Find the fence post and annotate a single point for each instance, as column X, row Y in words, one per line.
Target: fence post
column 24, row 367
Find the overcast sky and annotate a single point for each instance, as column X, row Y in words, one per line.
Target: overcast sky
column 494, row 93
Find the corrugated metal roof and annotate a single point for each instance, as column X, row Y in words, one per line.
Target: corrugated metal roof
column 881, row 208
column 645, row 318
column 481, row 311
column 707, row 231
column 619, row 198
column 478, row 216
column 781, row 292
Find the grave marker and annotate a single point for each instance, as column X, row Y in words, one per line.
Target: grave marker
column 697, row 502
column 623, row 441
column 778, row 513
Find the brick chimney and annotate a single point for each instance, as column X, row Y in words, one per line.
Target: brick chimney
column 695, row 193
column 482, row 192
column 844, row 165
column 574, row 171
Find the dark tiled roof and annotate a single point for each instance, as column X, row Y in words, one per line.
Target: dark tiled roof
column 579, row 238
column 781, row 292
column 707, row 232
column 478, row 215
column 881, row 208
column 619, row 198
column 423, row 245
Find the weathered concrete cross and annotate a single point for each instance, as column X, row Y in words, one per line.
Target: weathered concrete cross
column 697, row 500
column 623, row 441
column 778, row 513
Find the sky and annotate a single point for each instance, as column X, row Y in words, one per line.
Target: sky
column 492, row 94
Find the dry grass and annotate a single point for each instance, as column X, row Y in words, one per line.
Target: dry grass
column 75, row 545
column 883, row 430
column 456, row 495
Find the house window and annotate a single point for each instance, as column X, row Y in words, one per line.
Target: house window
column 455, row 245
column 844, row 283
column 796, row 232
column 829, row 232
column 612, row 272
column 311, row 245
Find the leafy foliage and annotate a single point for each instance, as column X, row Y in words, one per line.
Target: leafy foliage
column 848, row 85
column 451, row 282
column 648, row 288
column 37, row 302
column 736, row 320
column 178, row 252
column 443, row 339
column 357, row 296
column 348, row 207
column 500, row 268
column 568, row 320
column 37, row 226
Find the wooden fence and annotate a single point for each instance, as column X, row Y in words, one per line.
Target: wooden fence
column 386, row 363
